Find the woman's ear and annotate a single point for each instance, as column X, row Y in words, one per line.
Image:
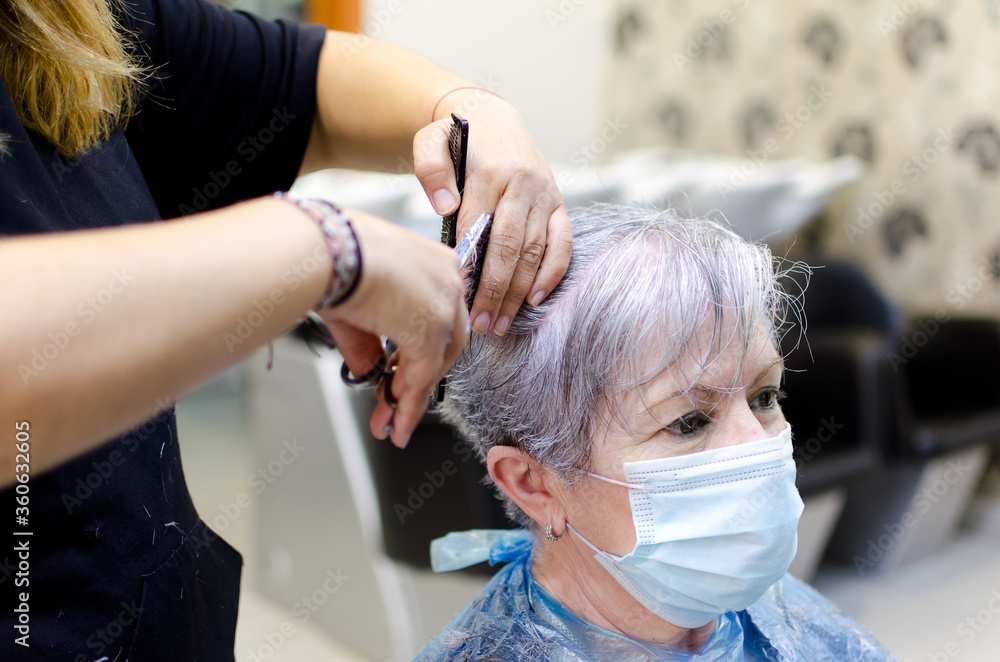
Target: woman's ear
column 528, row 484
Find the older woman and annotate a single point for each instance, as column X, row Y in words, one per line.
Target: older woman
column 631, row 424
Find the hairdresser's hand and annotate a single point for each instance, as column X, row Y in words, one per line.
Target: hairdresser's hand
column 531, row 239
column 412, row 293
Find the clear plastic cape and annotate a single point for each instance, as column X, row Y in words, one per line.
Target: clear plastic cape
column 515, row 618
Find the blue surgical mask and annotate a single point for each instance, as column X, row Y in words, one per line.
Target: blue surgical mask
column 714, row 530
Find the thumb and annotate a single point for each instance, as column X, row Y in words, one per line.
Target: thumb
column 361, row 350
column 433, row 167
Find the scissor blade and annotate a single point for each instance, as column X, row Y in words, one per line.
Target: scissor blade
column 466, row 248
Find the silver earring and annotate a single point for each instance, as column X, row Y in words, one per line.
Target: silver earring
column 548, row 533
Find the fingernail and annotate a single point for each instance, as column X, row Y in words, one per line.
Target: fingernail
column 443, row 200
column 537, row 299
column 501, row 326
column 482, row 323
column 401, row 443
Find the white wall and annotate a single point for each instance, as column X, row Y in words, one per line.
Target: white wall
column 547, row 57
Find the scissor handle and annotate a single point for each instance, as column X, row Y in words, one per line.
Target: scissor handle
column 370, row 379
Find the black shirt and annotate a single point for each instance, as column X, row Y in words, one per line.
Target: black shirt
column 120, row 564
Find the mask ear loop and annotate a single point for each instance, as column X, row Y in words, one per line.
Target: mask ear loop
column 585, row 541
column 599, row 552
column 631, row 486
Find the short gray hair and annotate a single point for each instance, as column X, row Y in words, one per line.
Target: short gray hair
column 636, row 276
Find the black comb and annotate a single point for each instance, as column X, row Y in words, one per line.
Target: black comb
column 458, row 145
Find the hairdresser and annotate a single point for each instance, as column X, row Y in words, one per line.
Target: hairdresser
column 115, row 115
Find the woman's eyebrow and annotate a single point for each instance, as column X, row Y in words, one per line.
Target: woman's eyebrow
column 780, row 362
column 657, row 400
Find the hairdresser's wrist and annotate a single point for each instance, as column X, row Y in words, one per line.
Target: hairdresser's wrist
column 465, row 101
column 342, row 246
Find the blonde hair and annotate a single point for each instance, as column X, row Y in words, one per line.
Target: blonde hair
column 67, row 70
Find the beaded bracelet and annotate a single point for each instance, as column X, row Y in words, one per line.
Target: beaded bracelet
column 342, row 244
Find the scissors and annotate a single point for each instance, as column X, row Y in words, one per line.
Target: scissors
column 381, row 375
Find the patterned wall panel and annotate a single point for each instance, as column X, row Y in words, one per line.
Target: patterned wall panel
column 911, row 87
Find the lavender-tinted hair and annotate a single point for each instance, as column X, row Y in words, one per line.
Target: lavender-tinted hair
column 640, row 284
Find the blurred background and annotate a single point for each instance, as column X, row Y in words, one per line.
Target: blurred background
column 858, row 136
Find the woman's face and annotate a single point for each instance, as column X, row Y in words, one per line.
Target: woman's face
column 726, row 407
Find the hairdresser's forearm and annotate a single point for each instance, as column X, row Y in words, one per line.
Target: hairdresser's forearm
column 372, row 97
column 106, row 327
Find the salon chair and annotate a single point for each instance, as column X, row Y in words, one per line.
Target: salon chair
column 840, row 395
column 899, row 431
column 946, row 420
column 953, row 383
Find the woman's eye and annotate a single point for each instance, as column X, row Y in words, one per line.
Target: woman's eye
column 768, row 399
column 689, row 424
